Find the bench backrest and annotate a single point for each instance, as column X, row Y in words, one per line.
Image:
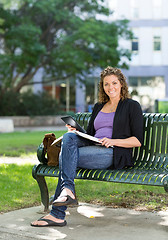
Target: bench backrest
column 153, row 154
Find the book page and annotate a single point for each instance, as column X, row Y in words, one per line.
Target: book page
column 56, row 141
column 84, row 135
column 87, row 136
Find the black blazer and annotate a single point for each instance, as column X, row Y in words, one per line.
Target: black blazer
column 128, row 122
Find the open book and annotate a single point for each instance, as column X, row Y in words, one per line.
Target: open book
column 84, row 135
column 87, row 136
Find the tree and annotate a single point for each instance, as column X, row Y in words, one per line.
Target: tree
column 63, row 37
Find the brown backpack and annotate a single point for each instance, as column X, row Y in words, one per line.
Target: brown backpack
column 52, row 151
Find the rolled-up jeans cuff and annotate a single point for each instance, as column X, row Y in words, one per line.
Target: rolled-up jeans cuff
column 59, row 213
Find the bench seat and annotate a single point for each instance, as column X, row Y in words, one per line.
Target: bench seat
column 150, row 160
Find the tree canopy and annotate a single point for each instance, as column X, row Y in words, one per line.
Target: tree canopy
column 64, row 37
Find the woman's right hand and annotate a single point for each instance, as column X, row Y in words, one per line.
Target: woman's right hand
column 70, row 129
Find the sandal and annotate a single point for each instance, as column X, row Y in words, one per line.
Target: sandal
column 69, row 201
column 49, row 223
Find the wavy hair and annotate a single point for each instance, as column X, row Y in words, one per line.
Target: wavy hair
column 103, row 97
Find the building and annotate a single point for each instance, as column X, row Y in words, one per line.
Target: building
column 148, row 70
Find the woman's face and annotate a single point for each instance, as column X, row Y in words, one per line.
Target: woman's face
column 112, row 86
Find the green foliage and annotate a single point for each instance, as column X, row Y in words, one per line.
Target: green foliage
column 28, row 104
column 65, row 38
column 39, row 104
column 1, row 23
column 18, row 189
column 163, row 106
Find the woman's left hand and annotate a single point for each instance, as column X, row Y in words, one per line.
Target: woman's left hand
column 70, row 129
column 107, row 142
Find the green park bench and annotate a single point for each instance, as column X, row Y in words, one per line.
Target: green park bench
column 150, row 160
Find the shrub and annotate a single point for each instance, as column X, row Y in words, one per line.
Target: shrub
column 28, row 104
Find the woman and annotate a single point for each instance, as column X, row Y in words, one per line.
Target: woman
column 117, row 121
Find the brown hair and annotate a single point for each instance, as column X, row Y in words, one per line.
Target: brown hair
column 103, row 97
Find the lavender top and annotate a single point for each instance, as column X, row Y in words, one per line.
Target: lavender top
column 103, row 124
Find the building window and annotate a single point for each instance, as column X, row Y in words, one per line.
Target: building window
column 156, row 43
column 135, row 13
column 134, row 9
column 133, row 81
column 135, row 44
column 157, row 9
column 145, row 81
column 139, row 81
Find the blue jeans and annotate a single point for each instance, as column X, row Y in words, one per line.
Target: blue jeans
column 78, row 152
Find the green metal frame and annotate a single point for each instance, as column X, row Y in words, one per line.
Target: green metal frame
column 151, row 160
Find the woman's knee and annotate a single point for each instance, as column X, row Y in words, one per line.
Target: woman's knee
column 68, row 137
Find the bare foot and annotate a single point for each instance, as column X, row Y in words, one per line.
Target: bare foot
column 43, row 223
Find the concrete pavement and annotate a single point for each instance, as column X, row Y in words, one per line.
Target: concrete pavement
column 31, row 159
column 87, row 222
column 41, row 128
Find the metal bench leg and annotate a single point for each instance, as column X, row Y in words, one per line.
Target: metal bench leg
column 44, row 192
column 165, row 184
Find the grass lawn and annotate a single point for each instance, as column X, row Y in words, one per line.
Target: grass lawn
column 21, row 143
column 20, row 190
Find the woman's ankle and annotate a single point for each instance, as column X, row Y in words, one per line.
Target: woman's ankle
column 67, row 191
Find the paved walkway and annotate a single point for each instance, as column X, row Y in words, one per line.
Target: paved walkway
column 87, row 222
column 19, row 160
column 41, row 128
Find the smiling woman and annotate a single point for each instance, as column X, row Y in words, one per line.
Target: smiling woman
column 112, row 87
column 113, row 72
column 117, row 121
